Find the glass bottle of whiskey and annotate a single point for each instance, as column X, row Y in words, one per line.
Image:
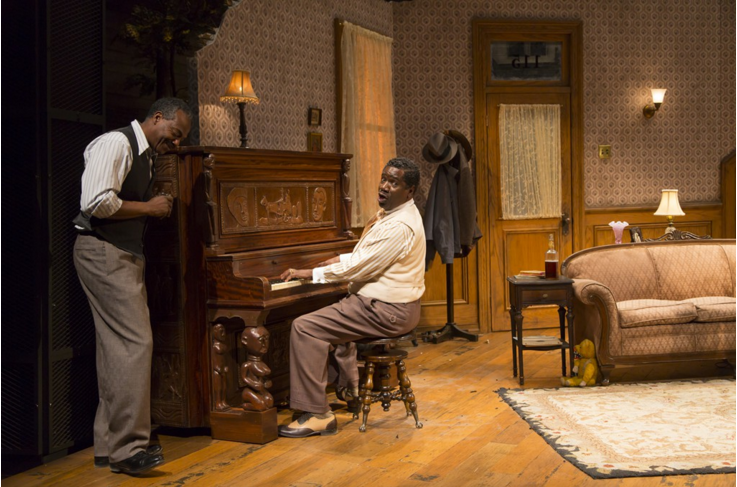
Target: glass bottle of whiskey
column 551, row 260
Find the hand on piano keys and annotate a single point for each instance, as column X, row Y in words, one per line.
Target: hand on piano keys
column 291, row 274
column 277, row 284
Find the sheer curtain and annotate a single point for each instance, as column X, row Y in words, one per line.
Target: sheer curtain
column 367, row 115
column 529, row 153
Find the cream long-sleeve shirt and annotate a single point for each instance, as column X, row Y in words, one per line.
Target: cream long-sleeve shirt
column 387, row 263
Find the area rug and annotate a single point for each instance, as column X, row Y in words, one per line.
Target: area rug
column 636, row 430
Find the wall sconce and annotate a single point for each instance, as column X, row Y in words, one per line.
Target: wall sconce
column 658, row 95
column 241, row 92
column 669, row 207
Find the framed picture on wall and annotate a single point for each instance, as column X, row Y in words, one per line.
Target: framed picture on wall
column 314, row 142
column 314, row 117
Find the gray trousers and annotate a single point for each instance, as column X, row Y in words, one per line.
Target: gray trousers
column 113, row 282
column 337, row 326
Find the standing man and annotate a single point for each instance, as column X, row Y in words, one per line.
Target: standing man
column 108, row 255
column 386, row 271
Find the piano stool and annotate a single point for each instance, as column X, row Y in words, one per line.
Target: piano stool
column 379, row 355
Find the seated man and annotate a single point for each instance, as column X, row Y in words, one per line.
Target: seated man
column 386, row 271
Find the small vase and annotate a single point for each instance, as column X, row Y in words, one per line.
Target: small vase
column 618, row 228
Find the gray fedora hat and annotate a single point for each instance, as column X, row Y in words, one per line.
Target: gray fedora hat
column 439, row 149
column 461, row 139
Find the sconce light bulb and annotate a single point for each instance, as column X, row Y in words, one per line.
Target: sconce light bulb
column 658, row 95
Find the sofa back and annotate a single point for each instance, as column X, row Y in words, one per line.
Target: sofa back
column 673, row 270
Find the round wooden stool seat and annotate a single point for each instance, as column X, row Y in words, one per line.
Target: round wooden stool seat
column 379, row 359
column 384, row 341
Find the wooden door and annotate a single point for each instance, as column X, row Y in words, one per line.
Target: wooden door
column 521, row 244
column 518, row 63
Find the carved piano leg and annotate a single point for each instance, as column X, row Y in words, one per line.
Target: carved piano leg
column 220, row 369
column 254, row 372
column 255, row 421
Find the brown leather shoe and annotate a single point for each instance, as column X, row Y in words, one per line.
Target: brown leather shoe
column 310, row 425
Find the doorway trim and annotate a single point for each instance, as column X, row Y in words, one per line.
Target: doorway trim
column 483, row 31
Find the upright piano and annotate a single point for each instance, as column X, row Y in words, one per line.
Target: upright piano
column 219, row 315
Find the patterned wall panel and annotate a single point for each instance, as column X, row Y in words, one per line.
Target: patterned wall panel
column 686, row 46
column 289, row 48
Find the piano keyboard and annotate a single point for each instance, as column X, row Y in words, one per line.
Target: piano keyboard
column 279, row 284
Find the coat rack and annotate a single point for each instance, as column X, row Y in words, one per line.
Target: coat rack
column 450, row 330
column 451, row 148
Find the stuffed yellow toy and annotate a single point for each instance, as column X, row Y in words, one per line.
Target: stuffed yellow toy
column 584, row 366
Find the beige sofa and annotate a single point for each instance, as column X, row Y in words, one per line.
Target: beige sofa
column 655, row 302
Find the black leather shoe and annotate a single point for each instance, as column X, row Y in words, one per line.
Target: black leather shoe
column 349, row 396
column 101, row 462
column 138, row 463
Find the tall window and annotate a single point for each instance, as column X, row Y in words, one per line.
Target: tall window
column 366, row 112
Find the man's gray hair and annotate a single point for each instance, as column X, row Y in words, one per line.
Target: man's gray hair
column 169, row 107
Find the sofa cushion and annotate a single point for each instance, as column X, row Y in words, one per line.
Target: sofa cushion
column 649, row 312
column 690, row 270
column 711, row 309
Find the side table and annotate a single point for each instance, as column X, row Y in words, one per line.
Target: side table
column 529, row 292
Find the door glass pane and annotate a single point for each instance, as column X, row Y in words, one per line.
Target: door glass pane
column 525, row 61
column 529, row 157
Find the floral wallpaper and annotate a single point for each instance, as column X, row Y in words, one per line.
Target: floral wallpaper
column 289, row 49
column 686, row 46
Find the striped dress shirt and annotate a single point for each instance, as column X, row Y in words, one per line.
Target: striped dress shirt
column 107, row 161
column 382, row 245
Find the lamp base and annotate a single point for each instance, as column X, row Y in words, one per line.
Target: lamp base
column 670, row 228
column 242, row 129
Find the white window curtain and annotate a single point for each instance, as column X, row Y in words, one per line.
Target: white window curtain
column 529, row 153
column 367, row 116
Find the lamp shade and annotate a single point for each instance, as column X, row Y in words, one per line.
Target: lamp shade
column 669, row 205
column 240, row 89
column 658, row 95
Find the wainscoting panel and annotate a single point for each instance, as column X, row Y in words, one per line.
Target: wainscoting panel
column 703, row 219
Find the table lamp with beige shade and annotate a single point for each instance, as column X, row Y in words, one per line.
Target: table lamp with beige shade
column 669, row 207
column 241, row 92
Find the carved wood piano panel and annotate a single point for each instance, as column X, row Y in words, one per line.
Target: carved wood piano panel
column 221, row 327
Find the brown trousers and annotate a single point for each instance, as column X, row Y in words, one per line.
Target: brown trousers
column 337, row 326
column 113, row 282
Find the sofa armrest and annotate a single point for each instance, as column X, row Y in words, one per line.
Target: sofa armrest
column 596, row 303
column 593, row 292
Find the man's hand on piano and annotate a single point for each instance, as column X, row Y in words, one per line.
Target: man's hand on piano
column 290, row 274
column 334, row 260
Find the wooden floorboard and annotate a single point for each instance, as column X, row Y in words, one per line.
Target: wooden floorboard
column 470, row 436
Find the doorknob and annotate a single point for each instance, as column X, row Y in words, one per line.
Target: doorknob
column 565, row 223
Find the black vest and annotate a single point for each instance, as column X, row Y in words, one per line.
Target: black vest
column 125, row 234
